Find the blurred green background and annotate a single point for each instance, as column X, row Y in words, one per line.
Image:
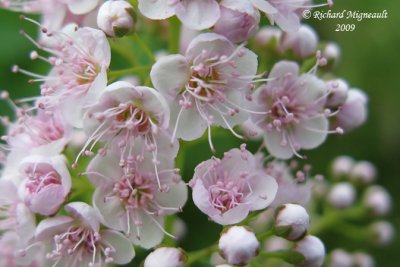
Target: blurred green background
column 370, row 60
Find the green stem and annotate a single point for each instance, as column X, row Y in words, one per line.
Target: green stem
column 265, row 234
column 200, row 254
column 144, row 47
column 289, row 256
column 118, row 73
column 174, row 33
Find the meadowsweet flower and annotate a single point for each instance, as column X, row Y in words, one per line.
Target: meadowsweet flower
column 116, row 18
column 285, row 13
column 296, row 118
column 46, row 183
column 78, row 241
column 79, row 61
column 135, row 198
column 238, row 245
column 208, row 86
column 228, row 189
column 194, row 14
column 238, row 21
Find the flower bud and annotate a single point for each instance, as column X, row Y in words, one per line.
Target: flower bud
column 342, row 195
column 382, row 233
column 313, row 251
column 116, row 18
column 331, row 52
column 238, row 245
column 364, row 172
column 378, row 200
column 302, row 42
column 339, row 89
column 342, row 165
column 361, row 259
column 291, row 221
column 268, row 34
column 166, row 257
column 354, row 111
column 238, row 21
column 340, row 258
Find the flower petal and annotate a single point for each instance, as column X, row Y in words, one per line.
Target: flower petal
column 111, row 210
column 198, row 14
column 51, row 226
column 84, row 213
column 170, row 74
column 124, row 251
column 156, row 9
column 272, row 141
column 311, row 133
column 150, row 233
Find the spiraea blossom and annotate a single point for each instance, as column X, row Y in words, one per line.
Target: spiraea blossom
column 80, row 61
column 44, row 133
column 125, row 113
column 46, row 183
column 296, row 116
column 208, row 86
column 77, row 240
column 285, row 13
column 134, row 198
column 194, row 14
column 228, row 189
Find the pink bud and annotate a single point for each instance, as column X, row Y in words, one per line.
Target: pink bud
column 116, row 18
column 378, row 200
column 313, row 251
column 303, row 42
column 291, row 221
column 342, row 195
column 165, row 257
column 238, row 245
column 342, row 165
column 364, row 172
column 354, row 111
column 339, row 89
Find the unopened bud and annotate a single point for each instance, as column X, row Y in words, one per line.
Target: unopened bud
column 116, row 18
column 342, row 165
column 331, row 52
column 238, row 245
column 303, row 43
column 361, row 259
column 339, row 89
column 291, row 221
column 165, row 257
column 382, row 233
column 340, row 258
column 353, row 112
column 313, row 251
column 364, row 172
column 342, row 195
column 378, row 200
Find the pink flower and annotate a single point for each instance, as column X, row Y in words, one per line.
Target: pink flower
column 238, row 21
column 79, row 61
column 194, row 14
column 78, row 240
column 208, row 86
column 47, row 183
column 228, row 189
column 135, row 198
column 45, row 133
column 296, row 116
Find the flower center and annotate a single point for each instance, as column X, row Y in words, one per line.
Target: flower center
column 39, row 176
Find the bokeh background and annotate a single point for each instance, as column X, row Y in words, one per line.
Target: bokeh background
column 370, row 60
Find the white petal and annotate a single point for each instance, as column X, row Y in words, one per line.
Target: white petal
column 311, row 133
column 273, row 141
column 84, row 213
column 48, row 200
column 198, row 14
column 111, row 210
column 176, row 197
column 51, row 226
column 124, row 251
column 156, row 9
column 264, row 6
column 150, row 233
column 288, row 22
column 79, row 7
column 213, row 44
column 280, row 71
column 232, row 216
column 170, row 74
column 264, row 191
column 201, row 199
column 105, row 170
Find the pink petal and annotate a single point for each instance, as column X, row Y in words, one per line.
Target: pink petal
column 198, row 14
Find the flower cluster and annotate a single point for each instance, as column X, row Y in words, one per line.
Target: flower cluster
column 90, row 164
